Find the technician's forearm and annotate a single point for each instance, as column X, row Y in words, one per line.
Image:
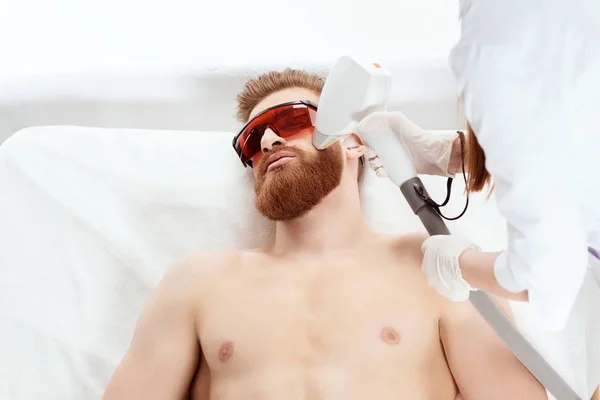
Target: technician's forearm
column 478, row 270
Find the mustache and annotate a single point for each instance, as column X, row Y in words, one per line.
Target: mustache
column 263, row 162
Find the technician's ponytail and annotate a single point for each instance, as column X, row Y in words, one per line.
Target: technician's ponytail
column 478, row 176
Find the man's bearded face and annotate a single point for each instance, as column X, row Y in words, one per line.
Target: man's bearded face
column 291, row 190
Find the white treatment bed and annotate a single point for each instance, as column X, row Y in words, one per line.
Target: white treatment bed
column 92, row 217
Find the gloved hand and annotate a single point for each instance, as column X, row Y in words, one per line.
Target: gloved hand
column 430, row 150
column 440, row 265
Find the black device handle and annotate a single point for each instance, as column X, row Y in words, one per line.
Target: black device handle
column 415, row 194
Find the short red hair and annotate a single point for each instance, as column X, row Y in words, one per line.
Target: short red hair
column 268, row 83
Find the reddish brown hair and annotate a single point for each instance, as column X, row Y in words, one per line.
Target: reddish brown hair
column 268, row 83
column 478, row 177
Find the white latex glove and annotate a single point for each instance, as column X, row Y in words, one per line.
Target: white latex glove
column 440, row 265
column 430, row 150
column 375, row 163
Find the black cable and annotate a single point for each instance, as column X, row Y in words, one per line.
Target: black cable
column 437, row 206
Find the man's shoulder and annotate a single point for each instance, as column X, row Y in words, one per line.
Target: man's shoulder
column 206, row 262
column 407, row 243
column 464, row 314
column 194, row 273
column 208, row 258
column 213, row 262
column 409, row 239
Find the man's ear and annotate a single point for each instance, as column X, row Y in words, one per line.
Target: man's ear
column 353, row 147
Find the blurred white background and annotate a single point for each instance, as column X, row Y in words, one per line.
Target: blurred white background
column 156, row 64
column 75, row 36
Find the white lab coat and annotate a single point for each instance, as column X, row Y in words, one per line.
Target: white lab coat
column 529, row 78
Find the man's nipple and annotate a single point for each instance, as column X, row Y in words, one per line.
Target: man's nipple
column 226, row 351
column 390, row 335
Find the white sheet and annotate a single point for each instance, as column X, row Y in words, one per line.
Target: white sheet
column 91, row 218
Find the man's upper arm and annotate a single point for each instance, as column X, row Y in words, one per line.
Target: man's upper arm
column 482, row 365
column 162, row 358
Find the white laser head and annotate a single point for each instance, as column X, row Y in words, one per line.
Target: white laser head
column 353, row 90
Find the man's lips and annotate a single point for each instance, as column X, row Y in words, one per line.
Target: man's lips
column 278, row 159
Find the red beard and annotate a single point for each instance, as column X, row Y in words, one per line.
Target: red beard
column 290, row 191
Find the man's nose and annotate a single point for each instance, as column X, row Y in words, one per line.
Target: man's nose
column 270, row 139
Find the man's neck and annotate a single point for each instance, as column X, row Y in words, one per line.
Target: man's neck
column 335, row 224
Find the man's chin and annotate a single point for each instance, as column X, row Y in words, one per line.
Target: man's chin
column 283, row 212
column 278, row 174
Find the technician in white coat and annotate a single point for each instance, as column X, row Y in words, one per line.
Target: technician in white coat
column 529, row 79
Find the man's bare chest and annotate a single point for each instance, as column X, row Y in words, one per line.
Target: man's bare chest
column 356, row 314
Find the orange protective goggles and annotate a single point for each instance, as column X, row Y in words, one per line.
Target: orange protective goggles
column 285, row 120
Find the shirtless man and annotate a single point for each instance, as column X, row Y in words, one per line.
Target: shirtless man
column 331, row 310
